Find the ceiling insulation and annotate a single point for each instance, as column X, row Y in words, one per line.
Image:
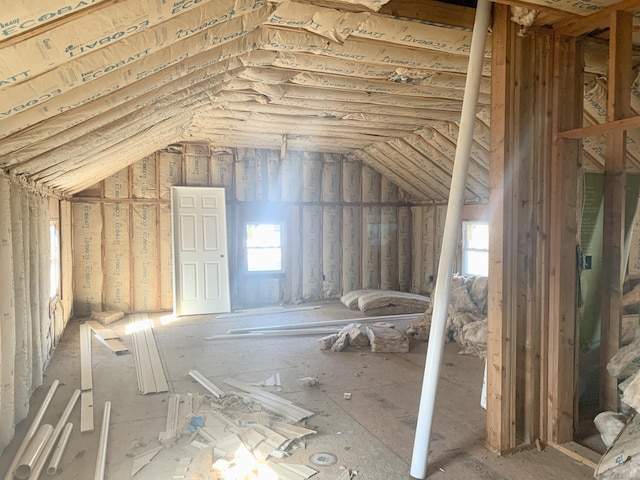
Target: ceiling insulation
column 88, row 87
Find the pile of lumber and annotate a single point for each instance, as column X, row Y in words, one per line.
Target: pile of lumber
column 242, row 419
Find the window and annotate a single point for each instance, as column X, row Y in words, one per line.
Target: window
column 54, row 239
column 264, row 247
column 475, row 248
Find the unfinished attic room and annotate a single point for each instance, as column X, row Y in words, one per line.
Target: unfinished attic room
column 320, row 239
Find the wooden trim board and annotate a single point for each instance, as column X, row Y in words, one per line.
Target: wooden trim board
column 86, row 379
column 272, row 402
column 113, row 344
column 206, row 383
column 171, row 429
column 86, row 411
column 151, row 378
column 105, row 333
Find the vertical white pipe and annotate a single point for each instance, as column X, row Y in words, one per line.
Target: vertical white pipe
column 32, row 430
column 37, row 470
column 102, row 446
column 54, row 464
column 449, row 242
column 31, row 454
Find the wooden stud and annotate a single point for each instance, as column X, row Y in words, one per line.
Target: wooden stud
column 527, row 324
column 618, row 106
column 501, row 353
column 544, row 82
column 565, row 162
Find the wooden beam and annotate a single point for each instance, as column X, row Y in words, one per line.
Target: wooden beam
column 565, row 163
column 581, row 25
column 501, row 345
column 618, row 107
column 613, row 126
column 431, row 11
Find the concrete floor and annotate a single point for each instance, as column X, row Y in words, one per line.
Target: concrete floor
column 372, row 433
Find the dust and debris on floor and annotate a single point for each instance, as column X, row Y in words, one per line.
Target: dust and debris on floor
column 280, row 403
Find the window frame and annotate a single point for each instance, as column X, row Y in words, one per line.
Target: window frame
column 465, row 248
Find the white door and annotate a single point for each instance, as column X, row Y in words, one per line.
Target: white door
column 200, row 267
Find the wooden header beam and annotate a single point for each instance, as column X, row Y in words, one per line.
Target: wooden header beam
column 579, row 25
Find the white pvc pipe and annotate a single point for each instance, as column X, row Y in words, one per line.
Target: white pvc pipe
column 33, row 452
column 54, row 464
column 449, row 242
column 32, row 430
column 62, row 421
column 326, row 323
column 102, row 446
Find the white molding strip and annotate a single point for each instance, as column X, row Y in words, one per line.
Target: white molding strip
column 206, row 383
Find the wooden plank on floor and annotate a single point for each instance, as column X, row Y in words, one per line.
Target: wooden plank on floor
column 271, row 401
column 206, row 383
column 151, row 378
column 156, row 364
column 579, row 453
column 86, row 378
column 86, row 411
column 171, row 428
column 113, row 344
column 105, row 333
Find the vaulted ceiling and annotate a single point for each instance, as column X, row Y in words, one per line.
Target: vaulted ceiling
column 88, row 87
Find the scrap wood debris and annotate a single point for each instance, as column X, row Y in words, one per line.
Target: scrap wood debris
column 244, row 432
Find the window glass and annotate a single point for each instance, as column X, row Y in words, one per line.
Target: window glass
column 54, row 268
column 475, row 249
column 264, row 247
